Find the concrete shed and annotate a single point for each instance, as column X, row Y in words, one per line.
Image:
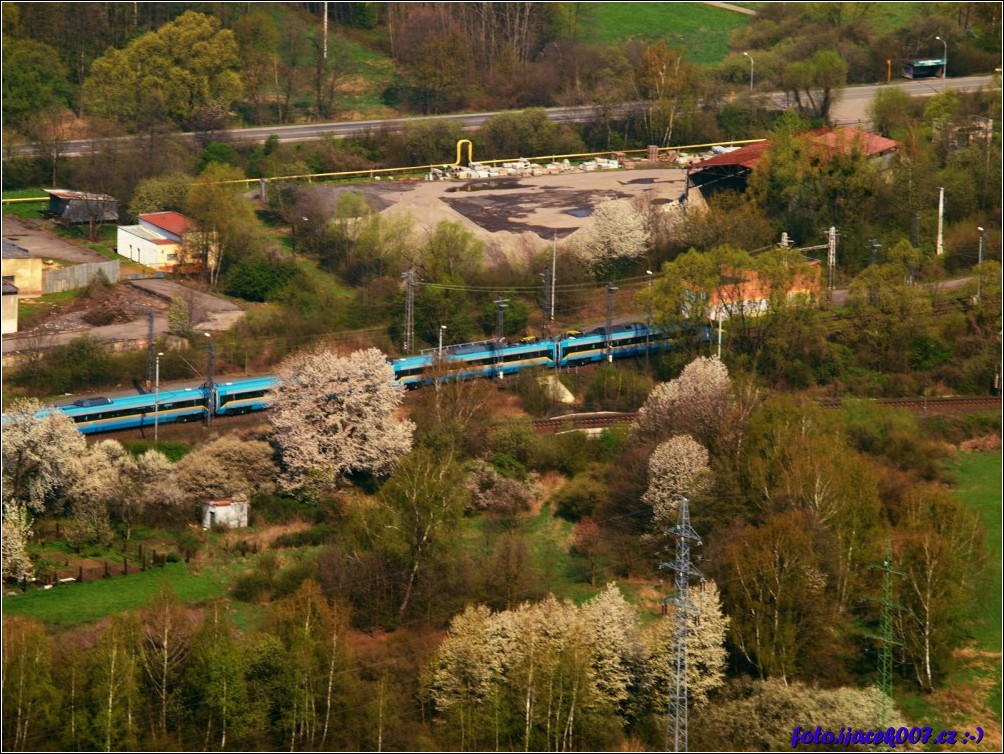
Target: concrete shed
column 227, row 513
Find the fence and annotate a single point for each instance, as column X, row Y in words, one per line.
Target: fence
column 78, row 276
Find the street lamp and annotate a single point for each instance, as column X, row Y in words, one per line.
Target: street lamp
column 442, row 328
column 944, row 71
column 751, row 69
column 156, row 396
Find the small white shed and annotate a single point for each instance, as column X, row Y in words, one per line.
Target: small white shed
column 225, row 512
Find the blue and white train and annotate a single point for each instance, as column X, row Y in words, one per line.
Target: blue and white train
column 492, row 359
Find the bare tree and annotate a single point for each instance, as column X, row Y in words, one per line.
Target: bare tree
column 334, row 415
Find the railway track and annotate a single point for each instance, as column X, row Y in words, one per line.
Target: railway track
column 197, row 432
column 931, row 406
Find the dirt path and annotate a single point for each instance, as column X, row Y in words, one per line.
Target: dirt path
column 733, row 8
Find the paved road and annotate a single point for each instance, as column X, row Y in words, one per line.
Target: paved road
column 46, row 244
column 852, row 108
column 840, row 295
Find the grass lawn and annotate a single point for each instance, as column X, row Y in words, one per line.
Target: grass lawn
column 76, row 604
column 702, row 30
column 26, row 210
column 368, row 75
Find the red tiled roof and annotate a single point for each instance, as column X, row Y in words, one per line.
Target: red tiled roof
column 746, row 157
column 172, row 222
column 846, row 136
column 843, row 137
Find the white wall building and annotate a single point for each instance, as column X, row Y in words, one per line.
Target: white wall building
column 156, row 241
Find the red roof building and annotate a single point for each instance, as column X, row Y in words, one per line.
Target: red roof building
column 732, row 168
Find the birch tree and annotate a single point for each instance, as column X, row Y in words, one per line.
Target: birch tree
column 425, row 499
column 333, row 416
column 29, row 695
column 165, row 643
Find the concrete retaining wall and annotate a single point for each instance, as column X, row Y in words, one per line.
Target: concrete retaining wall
column 78, row 276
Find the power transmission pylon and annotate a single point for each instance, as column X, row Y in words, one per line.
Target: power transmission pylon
column 676, row 710
column 885, row 637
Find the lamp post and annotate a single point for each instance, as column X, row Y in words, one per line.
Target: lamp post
column 156, row 396
column 442, row 328
column 944, row 71
column 751, row 70
column 983, row 239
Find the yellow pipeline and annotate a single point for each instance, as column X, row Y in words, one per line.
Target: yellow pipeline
column 373, row 171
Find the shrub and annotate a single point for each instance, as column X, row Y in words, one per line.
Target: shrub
column 581, row 496
column 259, row 278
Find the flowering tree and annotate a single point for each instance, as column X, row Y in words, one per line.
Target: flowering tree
column 40, row 458
column 333, row 415
column 706, row 653
column 695, row 402
column 677, row 467
column 615, row 232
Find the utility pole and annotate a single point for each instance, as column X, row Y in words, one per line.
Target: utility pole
column 156, row 397
column 719, row 333
column 941, row 220
column 676, row 711
column 831, row 257
column 983, row 240
column 149, row 349
column 546, row 278
column 409, row 310
column 210, row 385
column 500, row 307
column 648, row 320
column 554, row 262
column 610, row 321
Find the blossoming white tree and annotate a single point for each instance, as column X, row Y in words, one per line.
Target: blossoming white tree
column 334, row 415
column 615, row 232
column 677, row 467
column 695, row 403
column 40, row 458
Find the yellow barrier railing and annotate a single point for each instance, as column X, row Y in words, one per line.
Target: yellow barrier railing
column 372, row 172
column 29, row 199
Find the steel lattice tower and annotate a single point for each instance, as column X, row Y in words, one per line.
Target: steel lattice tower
column 886, row 640
column 676, row 711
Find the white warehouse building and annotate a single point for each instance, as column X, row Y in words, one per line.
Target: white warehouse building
column 157, row 241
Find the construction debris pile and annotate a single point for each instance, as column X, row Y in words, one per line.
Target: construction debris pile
column 521, row 168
